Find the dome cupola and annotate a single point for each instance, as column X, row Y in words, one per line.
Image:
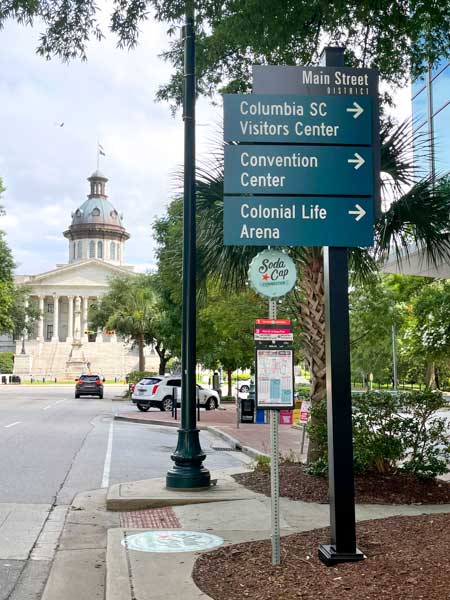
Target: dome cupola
column 96, row 230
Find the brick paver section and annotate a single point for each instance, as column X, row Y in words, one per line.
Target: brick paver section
column 153, row 518
column 256, row 436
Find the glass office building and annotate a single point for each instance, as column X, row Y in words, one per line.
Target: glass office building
column 431, row 114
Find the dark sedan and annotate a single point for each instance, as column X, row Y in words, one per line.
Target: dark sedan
column 89, row 385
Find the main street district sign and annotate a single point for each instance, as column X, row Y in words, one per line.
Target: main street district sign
column 303, row 167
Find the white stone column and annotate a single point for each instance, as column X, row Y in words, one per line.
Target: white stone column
column 70, row 320
column 78, row 333
column 41, row 319
column 25, row 332
column 55, row 337
column 84, row 319
column 99, row 336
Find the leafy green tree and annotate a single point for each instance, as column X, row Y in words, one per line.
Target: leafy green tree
column 397, row 37
column 430, row 331
column 373, row 313
column 6, row 281
column 225, row 331
column 128, row 308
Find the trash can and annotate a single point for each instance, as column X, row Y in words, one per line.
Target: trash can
column 260, row 416
column 248, row 409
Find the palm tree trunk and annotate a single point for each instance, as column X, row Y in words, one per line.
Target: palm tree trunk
column 141, row 353
column 311, row 307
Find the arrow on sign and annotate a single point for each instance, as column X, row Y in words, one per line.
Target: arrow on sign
column 358, row 160
column 358, row 110
column 359, row 212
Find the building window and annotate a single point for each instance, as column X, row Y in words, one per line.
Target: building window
column 113, row 251
column 79, row 249
column 50, row 307
column 49, row 333
column 96, row 212
column 99, row 249
column 92, row 249
column 73, row 250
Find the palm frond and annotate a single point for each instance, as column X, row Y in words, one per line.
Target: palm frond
column 402, row 148
column 419, row 219
column 363, row 266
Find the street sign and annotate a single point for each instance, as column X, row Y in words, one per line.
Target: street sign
column 311, row 81
column 289, row 221
column 306, row 170
column 272, row 273
column 273, row 330
column 297, row 119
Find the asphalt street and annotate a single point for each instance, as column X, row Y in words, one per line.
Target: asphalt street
column 53, row 446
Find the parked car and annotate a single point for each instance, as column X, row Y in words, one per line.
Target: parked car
column 157, row 391
column 244, row 386
column 89, row 385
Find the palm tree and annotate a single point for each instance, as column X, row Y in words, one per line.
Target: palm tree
column 419, row 216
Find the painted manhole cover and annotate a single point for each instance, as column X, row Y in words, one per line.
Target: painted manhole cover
column 171, row 541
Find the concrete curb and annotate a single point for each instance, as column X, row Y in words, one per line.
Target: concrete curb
column 248, row 450
column 237, row 445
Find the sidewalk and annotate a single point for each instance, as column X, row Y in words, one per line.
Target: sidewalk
column 252, row 438
column 143, row 540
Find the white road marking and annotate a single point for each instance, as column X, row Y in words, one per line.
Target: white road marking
column 46, row 407
column 12, row 424
column 59, row 401
column 107, row 466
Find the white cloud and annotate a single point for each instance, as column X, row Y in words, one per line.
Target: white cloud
column 44, row 167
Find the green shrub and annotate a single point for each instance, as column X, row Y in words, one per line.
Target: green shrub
column 6, row 362
column 263, row 462
column 136, row 376
column 391, row 432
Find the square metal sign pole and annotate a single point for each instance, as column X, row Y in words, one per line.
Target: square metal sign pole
column 339, row 400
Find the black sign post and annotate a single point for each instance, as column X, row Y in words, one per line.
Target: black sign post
column 333, row 78
column 339, row 397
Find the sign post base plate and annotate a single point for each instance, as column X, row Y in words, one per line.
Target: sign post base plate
column 329, row 556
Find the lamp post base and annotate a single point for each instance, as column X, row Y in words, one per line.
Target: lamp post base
column 329, row 556
column 188, row 472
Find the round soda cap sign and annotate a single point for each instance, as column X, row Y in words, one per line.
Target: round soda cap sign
column 272, row 273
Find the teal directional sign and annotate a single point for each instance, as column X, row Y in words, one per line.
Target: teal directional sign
column 302, row 163
column 306, row 170
column 297, row 119
column 290, row 221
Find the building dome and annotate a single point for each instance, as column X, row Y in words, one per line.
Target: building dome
column 96, row 230
column 96, row 211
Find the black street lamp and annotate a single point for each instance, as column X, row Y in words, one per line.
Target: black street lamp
column 188, row 471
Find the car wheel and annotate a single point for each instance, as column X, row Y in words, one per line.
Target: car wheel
column 245, row 389
column 100, row 396
column 77, row 395
column 166, row 403
column 143, row 407
column 210, row 404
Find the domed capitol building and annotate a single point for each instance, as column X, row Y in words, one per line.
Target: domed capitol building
column 62, row 344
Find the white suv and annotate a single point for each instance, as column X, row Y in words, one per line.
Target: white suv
column 157, row 391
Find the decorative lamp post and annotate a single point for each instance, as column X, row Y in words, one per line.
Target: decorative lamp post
column 188, row 471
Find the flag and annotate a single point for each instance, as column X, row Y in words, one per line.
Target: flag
column 101, row 150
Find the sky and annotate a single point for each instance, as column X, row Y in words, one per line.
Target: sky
column 110, row 99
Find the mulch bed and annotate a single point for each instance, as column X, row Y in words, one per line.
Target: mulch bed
column 375, row 488
column 407, row 558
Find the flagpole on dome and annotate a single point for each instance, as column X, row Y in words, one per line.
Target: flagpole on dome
column 100, row 152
